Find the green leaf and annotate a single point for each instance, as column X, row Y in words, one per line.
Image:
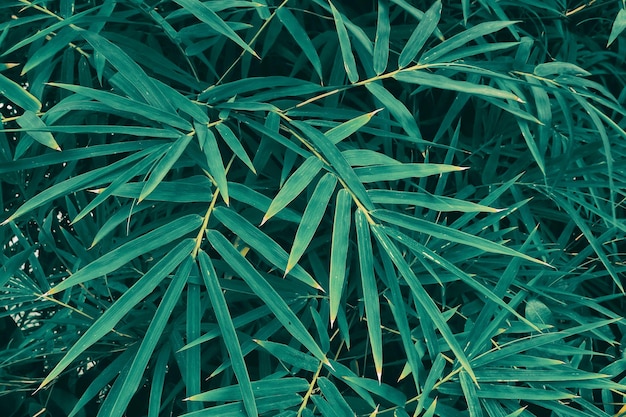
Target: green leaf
column 47, row 52
column 311, row 218
column 29, row 120
column 370, row 290
column 205, row 14
column 129, row 300
column 344, row 44
column 296, row 183
column 334, row 397
column 438, row 53
column 401, row 171
column 265, row 292
column 449, row 233
column 619, row 24
column 120, row 256
column 229, row 335
column 301, row 37
column 291, row 356
column 381, row 42
column 429, row 201
column 385, row 391
column 263, row 388
column 396, row 108
column 420, row 35
column 18, row 95
column 344, row 130
column 234, row 144
column 131, row 380
column 214, row 159
column 339, row 251
column 424, row 78
column 159, row 172
column 261, row 243
column 470, row 394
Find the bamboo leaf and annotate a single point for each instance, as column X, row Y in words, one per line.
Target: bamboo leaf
column 130, row 250
column 265, row 292
column 339, row 251
column 370, row 290
column 109, row 319
column 420, row 35
column 289, row 355
column 311, row 218
column 383, row 390
column 131, row 380
column 400, row 171
column 229, row 335
column 381, row 43
column 334, row 397
column 214, row 158
column 349, row 62
column 234, row 144
column 619, row 24
column 301, row 37
column 165, row 164
column 426, row 200
column 344, row 130
column 396, row 108
column 18, row 95
column 263, row 388
column 28, row 121
column 297, row 182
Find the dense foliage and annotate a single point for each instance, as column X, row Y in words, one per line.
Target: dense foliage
column 306, row 207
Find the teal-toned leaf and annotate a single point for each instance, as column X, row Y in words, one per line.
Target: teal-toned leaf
column 438, row 53
column 311, row 218
column 103, row 129
column 337, row 161
column 619, row 24
column 383, row 390
column 370, row 290
column 127, row 105
column 423, row 298
column 205, row 14
column 420, row 35
column 344, row 44
column 381, row 42
column 261, row 243
column 334, row 397
column 446, row 83
column 401, row 171
column 229, row 335
column 233, row 143
column 213, row 158
column 157, row 382
column 344, row 130
column 504, row 392
column 266, row 405
column 427, row 200
column 265, row 292
column 159, row 172
column 365, row 157
column 301, row 37
column 122, row 255
column 559, row 68
column 129, row 300
column 396, row 108
column 263, row 388
column 129, row 69
column 134, row 377
column 291, row 356
column 339, row 251
column 47, row 52
column 449, row 233
column 344, row 373
column 262, row 203
column 469, row 393
column 30, row 120
column 297, row 182
column 18, row 95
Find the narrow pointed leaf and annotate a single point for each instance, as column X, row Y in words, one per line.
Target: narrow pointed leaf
column 396, row 108
column 344, row 44
column 420, row 35
column 344, row 130
column 426, row 200
column 122, row 255
column 138, row 365
column 297, row 182
column 383, row 390
column 213, row 158
column 334, row 397
column 129, row 300
column 261, row 243
column 233, row 143
column 401, row 171
column 449, row 233
column 301, row 37
column 289, row 355
column 18, row 95
column 30, row 121
column 229, row 335
column 339, row 251
column 263, row 388
column 381, row 42
column 311, row 218
column 370, row 290
column 204, row 13
column 165, row 164
column 619, row 24
column 265, row 292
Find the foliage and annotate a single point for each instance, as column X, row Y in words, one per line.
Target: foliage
column 230, row 208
